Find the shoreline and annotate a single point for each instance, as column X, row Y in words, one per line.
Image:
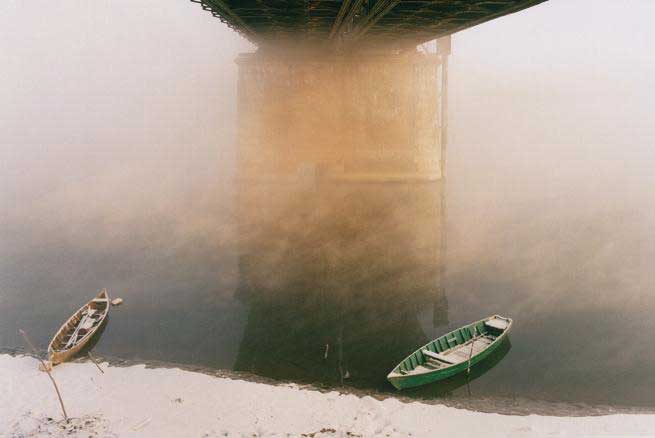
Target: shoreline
column 485, row 404
column 134, row 400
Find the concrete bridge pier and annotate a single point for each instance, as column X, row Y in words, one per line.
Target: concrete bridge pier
column 364, row 118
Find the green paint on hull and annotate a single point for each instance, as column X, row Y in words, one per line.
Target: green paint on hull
column 444, row 344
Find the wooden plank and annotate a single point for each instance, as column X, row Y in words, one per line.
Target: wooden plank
column 499, row 324
column 436, row 356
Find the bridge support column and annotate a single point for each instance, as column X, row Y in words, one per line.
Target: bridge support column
column 372, row 118
column 339, row 175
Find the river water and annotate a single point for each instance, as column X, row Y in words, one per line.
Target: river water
column 567, row 259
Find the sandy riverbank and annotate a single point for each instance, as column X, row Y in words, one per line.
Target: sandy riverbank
column 135, row 401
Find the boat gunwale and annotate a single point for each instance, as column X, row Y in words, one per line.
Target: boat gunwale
column 81, row 341
column 396, row 375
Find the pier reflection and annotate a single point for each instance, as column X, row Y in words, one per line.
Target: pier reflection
column 340, row 283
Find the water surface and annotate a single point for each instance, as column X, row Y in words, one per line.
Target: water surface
column 348, row 298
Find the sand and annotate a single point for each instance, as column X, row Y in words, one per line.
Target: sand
column 165, row 402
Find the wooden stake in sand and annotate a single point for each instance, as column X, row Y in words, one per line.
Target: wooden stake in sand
column 95, row 362
column 47, row 370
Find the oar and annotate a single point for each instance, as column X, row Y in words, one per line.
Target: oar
column 73, row 337
column 80, row 325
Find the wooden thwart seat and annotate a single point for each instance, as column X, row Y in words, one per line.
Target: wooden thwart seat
column 497, row 323
column 438, row 356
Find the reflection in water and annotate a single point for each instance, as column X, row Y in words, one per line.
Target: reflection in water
column 338, row 284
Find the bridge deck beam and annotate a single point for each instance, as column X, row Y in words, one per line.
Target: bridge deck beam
column 362, row 25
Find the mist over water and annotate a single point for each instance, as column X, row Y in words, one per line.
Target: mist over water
column 551, row 199
column 117, row 170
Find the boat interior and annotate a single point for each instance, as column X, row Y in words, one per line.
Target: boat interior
column 81, row 323
column 455, row 347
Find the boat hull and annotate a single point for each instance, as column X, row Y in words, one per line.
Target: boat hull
column 59, row 355
column 400, row 381
column 405, row 382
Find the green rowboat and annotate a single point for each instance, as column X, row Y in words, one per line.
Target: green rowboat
column 451, row 353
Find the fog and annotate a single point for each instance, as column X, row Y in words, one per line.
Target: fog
column 120, row 114
column 146, row 92
column 117, row 165
column 552, row 137
column 128, row 84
